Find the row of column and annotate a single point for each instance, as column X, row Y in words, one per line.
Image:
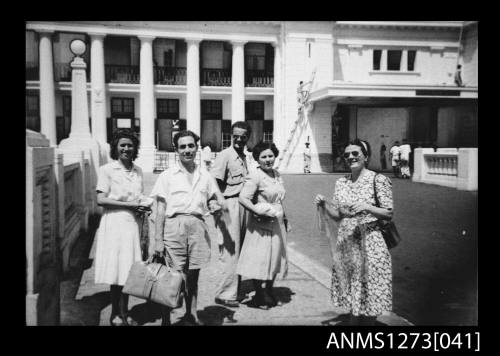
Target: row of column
column 98, row 88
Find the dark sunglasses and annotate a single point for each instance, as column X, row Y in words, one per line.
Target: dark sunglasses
column 354, row 154
column 190, row 145
column 241, row 137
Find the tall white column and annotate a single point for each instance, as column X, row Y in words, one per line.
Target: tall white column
column 147, row 112
column 238, row 82
column 98, row 96
column 47, row 93
column 80, row 140
column 278, row 122
column 193, row 112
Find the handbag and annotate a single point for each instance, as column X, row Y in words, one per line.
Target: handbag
column 387, row 227
column 156, row 282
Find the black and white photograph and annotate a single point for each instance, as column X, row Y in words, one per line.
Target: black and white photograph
column 252, row 173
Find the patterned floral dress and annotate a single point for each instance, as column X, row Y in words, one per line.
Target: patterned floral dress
column 362, row 281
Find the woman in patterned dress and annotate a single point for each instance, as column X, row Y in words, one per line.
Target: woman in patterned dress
column 362, row 280
column 264, row 247
column 120, row 193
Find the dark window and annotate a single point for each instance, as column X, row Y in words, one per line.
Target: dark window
column 211, row 109
column 411, row 60
column 394, row 60
column 168, row 58
column 254, row 110
column 167, row 108
column 33, row 112
column 122, row 107
column 377, row 54
column 63, row 122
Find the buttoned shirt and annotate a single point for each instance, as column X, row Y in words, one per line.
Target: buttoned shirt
column 120, row 184
column 182, row 197
column 232, row 169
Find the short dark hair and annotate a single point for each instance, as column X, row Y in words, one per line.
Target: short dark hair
column 119, row 134
column 262, row 146
column 242, row 125
column 185, row 133
column 364, row 145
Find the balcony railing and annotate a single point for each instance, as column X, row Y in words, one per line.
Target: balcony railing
column 442, row 164
column 258, row 78
column 170, row 75
column 216, row 77
column 122, row 74
column 32, row 71
column 62, row 72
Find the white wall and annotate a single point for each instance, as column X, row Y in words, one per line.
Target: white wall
column 432, row 66
column 470, row 57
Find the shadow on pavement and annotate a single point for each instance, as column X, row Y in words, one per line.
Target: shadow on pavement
column 215, row 315
column 90, row 307
column 147, row 312
column 343, row 320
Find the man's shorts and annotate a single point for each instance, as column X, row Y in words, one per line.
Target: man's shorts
column 187, row 241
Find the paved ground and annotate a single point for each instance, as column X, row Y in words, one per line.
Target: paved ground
column 435, row 268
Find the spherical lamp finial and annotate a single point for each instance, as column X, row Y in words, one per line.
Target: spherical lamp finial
column 77, row 47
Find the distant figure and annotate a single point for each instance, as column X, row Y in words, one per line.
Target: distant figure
column 458, row 76
column 307, row 159
column 394, row 155
column 383, row 162
column 206, row 156
column 405, row 150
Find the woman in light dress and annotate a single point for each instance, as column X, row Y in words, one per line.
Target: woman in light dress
column 120, row 193
column 264, row 247
column 362, row 280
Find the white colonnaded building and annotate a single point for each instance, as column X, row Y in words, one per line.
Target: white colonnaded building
column 377, row 80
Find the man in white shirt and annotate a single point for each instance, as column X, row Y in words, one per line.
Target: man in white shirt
column 394, row 153
column 405, row 150
column 182, row 193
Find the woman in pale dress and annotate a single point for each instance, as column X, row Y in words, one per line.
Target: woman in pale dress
column 120, row 193
column 362, row 269
column 264, row 247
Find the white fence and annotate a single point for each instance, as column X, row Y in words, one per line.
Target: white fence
column 60, row 196
column 447, row 167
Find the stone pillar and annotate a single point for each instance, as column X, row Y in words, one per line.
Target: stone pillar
column 467, row 169
column 80, row 138
column 147, row 145
column 404, row 60
column 279, row 129
column 47, row 93
column 193, row 112
column 238, row 82
column 98, row 94
column 383, row 60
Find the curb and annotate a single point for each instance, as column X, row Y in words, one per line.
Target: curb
column 322, row 275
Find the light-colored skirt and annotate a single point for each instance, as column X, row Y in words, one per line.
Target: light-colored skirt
column 118, row 246
column 262, row 251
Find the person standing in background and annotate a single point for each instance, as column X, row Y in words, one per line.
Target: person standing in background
column 230, row 169
column 383, row 162
column 394, row 155
column 405, row 150
column 307, row 159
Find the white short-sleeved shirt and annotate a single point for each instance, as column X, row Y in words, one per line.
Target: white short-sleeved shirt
column 395, row 154
column 232, row 169
column 119, row 184
column 181, row 197
column 405, row 152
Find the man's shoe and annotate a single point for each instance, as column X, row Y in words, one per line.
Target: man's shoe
column 227, row 303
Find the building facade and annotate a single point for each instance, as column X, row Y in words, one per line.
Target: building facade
column 381, row 81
